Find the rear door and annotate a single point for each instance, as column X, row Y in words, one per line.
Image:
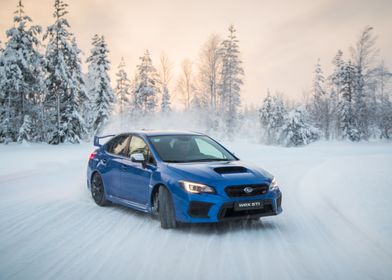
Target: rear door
column 136, row 176
column 116, row 149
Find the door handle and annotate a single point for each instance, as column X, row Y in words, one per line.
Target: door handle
column 123, row 166
column 103, row 161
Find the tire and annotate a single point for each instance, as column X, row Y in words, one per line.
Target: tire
column 166, row 209
column 98, row 190
column 155, row 208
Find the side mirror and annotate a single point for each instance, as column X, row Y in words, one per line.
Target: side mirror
column 137, row 157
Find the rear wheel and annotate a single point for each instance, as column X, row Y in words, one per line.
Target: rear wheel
column 166, row 209
column 98, row 190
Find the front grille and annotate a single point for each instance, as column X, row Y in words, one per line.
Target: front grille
column 198, row 209
column 237, row 191
column 227, row 211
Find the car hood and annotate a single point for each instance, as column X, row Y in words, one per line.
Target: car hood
column 237, row 172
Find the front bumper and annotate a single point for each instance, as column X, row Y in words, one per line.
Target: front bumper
column 208, row 208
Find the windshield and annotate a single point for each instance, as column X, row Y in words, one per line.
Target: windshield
column 189, row 148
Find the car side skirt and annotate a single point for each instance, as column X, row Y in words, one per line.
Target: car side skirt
column 128, row 203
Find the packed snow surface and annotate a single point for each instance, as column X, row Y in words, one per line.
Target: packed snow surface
column 336, row 223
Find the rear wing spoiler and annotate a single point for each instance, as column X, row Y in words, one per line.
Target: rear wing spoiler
column 97, row 138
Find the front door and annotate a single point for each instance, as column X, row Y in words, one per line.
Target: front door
column 137, row 176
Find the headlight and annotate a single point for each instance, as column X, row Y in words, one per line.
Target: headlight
column 196, row 187
column 274, row 185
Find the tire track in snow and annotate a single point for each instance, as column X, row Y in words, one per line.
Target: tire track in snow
column 351, row 246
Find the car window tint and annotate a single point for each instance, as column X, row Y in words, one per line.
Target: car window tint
column 118, row 145
column 188, row 148
column 137, row 145
column 207, row 149
column 111, row 143
column 150, row 157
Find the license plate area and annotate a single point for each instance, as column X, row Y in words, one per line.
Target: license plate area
column 248, row 205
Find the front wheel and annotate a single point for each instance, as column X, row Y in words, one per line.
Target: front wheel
column 166, row 209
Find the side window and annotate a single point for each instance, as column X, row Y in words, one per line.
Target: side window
column 118, row 145
column 207, row 149
column 137, row 145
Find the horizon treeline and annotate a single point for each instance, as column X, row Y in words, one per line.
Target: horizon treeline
column 46, row 97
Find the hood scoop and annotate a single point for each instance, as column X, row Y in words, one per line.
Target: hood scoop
column 230, row 169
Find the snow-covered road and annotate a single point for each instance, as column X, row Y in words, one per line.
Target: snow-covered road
column 336, row 224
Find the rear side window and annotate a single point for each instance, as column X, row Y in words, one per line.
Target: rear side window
column 118, row 145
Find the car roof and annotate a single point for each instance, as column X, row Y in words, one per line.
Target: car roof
column 164, row 132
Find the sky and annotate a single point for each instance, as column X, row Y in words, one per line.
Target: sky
column 280, row 41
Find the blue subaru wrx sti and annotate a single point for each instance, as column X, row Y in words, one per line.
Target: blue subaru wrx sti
column 181, row 177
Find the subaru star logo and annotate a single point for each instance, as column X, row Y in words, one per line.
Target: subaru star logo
column 248, row 189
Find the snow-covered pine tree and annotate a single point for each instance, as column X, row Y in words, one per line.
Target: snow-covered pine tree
column 347, row 116
column 21, row 78
column 385, row 117
column 133, row 84
column 101, row 92
column 320, row 111
column 165, row 102
column 66, row 91
column 335, row 85
column 147, row 86
column 1, row 61
column 88, row 106
column 336, row 77
column 363, row 55
column 266, row 114
column 272, row 115
column 122, row 92
column 384, row 103
column 165, row 78
column 360, row 102
column 231, row 81
column 333, row 108
column 26, row 130
column 75, row 117
column 3, row 124
column 296, row 131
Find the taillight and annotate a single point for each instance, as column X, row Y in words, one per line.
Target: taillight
column 92, row 155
